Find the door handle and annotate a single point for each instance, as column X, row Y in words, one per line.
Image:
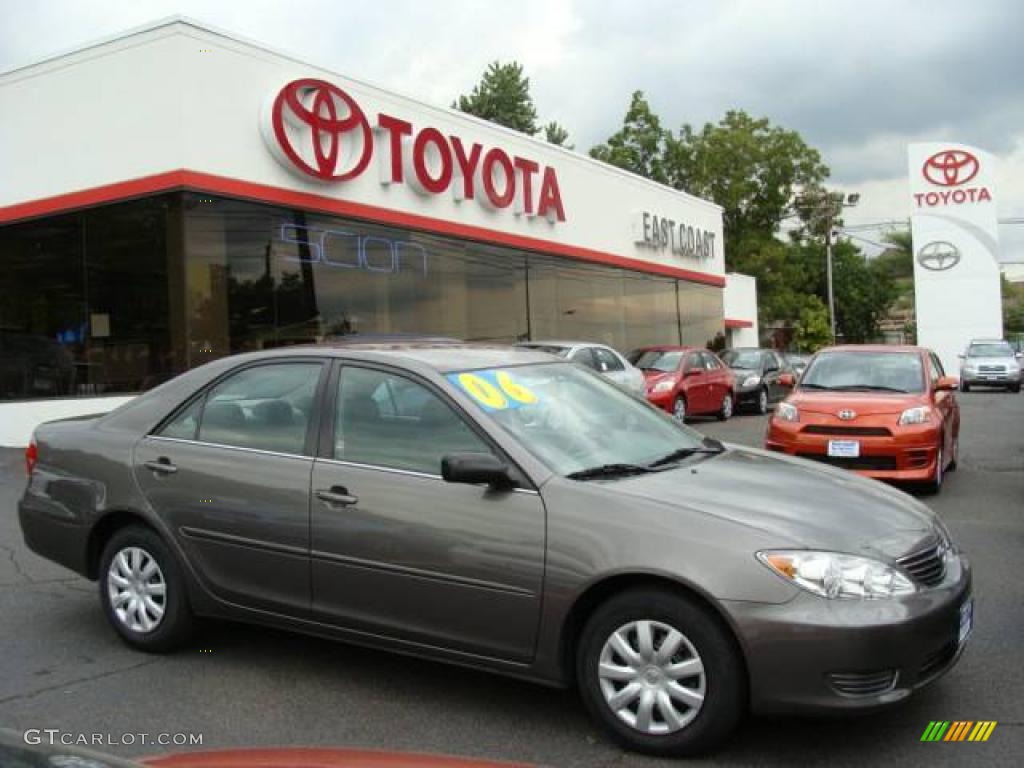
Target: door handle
column 162, row 466
column 337, row 494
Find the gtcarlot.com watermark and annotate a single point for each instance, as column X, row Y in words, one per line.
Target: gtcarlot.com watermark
column 55, row 737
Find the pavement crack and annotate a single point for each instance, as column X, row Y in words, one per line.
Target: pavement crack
column 77, row 681
column 16, row 565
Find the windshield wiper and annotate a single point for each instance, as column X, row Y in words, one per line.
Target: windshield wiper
column 808, row 385
column 870, row 388
column 609, row 470
column 710, row 447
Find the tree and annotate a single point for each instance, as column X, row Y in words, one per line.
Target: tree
column 555, row 133
column 503, row 97
column 640, row 145
column 812, row 330
column 753, row 169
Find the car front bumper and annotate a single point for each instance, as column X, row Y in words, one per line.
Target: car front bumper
column 908, row 455
column 812, row 654
column 996, row 379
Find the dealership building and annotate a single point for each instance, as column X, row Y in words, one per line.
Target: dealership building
column 175, row 194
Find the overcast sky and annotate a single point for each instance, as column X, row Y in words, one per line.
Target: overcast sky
column 859, row 80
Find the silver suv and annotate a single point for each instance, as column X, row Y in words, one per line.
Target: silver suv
column 990, row 363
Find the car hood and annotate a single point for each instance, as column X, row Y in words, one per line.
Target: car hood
column 864, row 403
column 652, row 376
column 798, row 503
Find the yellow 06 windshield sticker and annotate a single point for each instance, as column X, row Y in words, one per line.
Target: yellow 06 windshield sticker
column 494, row 390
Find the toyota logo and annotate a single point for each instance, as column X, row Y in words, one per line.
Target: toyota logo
column 320, row 130
column 938, row 256
column 950, row 168
column 847, row 415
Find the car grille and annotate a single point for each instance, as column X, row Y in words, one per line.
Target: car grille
column 863, row 683
column 829, row 429
column 848, row 462
column 925, row 565
column 937, row 661
column 992, row 368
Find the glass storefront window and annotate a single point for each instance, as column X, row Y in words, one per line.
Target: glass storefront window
column 121, row 297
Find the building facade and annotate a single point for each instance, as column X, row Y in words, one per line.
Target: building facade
column 175, row 195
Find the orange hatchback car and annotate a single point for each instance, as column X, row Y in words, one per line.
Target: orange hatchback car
column 886, row 412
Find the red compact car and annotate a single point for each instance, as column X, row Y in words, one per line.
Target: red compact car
column 886, row 412
column 686, row 381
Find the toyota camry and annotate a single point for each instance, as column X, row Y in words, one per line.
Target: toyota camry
column 502, row 509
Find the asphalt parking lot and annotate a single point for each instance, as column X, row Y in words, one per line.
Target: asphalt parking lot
column 62, row 667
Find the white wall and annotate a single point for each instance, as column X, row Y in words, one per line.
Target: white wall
column 178, row 96
column 740, row 303
column 18, row 420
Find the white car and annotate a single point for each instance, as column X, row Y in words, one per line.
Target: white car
column 599, row 357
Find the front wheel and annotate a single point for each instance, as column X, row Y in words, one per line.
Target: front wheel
column 725, row 412
column 964, row 386
column 679, row 409
column 762, row 402
column 934, row 486
column 142, row 590
column 660, row 674
column 1014, row 387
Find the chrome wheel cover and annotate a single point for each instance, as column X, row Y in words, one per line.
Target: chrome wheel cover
column 727, row 406
column 652, row 677
column 762, row 401
column 679, row 410
column 136, row 589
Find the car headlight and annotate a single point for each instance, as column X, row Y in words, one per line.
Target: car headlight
column 787, row 412
column 662, row 386
column 918, row 415
column 834, row 575
column 751, row 381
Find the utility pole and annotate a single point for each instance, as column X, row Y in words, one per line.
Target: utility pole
column 828, row 274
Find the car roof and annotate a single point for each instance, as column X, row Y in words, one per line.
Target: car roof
column 560, row 343
column 441, row 356
column 876, row 348
column 669, row 348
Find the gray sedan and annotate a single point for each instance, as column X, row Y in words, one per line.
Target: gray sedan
column 498, row 508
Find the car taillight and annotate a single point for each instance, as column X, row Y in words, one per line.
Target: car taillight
column 31, row 456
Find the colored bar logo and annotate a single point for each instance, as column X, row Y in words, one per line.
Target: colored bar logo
column 958, row 730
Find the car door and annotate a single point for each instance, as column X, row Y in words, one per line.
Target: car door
column 695, row 383
column 229, row 474
column 771, row 371
column 398, row 551
column 718, row 384
column 945, row 403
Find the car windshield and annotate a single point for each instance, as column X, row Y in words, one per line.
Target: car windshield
column 574, row 420
column 658, row 360
column 865, row 371
column 747, row 359
column 1000, row 349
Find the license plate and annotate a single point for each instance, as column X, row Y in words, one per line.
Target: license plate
column 846, row 449
column 966, row 620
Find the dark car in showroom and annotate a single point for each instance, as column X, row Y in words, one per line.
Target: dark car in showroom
column 763, row 377
column 502, row 509
column 685, row 381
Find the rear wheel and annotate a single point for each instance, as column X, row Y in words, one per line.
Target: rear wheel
column 1015, row 387
column 142, row 590
column 679, row 409
column 660, row 674
column 725, row 412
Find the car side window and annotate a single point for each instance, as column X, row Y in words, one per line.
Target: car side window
column 386, row 420
column 607, row 361
column 266, row 407
column 937, row 369
column 585, row 356
column 710, row 361
column 693, row 362
column 771, row 363
column 185, row 424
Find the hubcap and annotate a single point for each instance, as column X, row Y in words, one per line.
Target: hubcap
column 762, row 401
column 136, row 589
column 679, row 410
column 652, row 677
column 727, row 406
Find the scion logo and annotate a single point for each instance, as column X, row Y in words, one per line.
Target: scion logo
column 847, row 415
column 938, row 256
column 319, row 129
column 950, row 167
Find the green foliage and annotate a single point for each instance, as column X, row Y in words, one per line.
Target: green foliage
column 897, row 261
column 640, row 145
column 503, row 97
column 812, row 330
column 555, row 133
column 1013, row 306
column 863, row 294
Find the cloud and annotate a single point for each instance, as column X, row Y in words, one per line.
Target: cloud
column 858, row 80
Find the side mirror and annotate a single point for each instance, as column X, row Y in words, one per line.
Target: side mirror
column 962, row 356
column 476, row 469
column 947, row 383
column 787, row 380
